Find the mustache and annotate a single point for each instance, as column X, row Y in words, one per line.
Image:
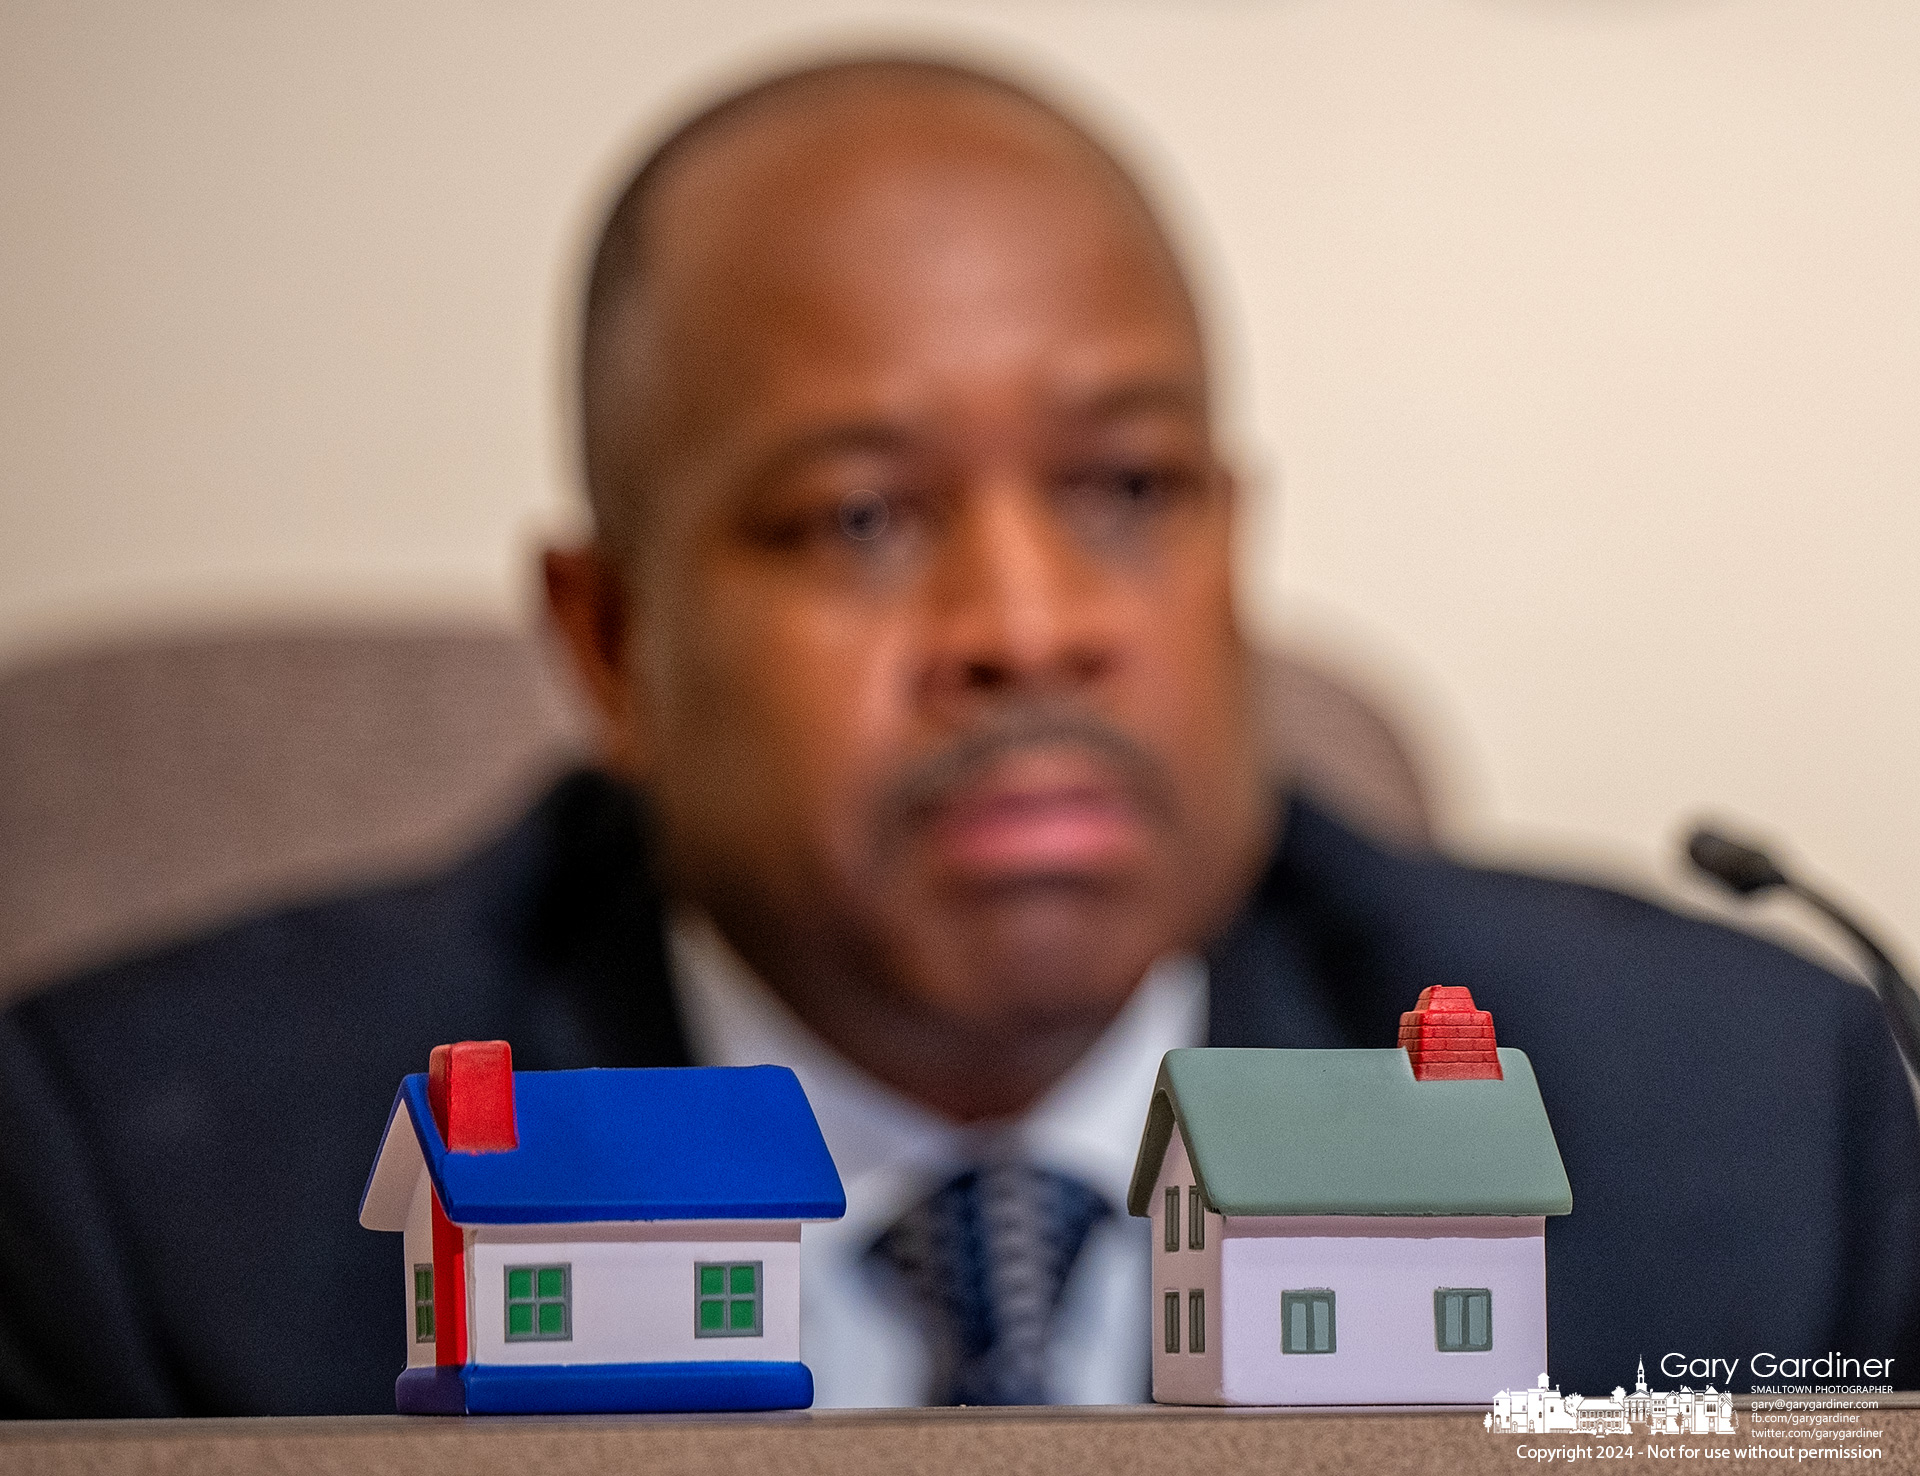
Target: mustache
column 921, row 791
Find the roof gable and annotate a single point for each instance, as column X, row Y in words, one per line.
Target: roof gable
column 1351, row 1132
column 653, row 1143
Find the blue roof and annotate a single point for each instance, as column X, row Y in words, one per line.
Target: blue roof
column 652, row 1143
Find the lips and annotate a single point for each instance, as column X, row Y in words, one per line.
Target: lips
column 1053, row 814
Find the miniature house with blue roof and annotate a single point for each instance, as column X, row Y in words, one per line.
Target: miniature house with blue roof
column 602, row 1240
column 1351, row 1226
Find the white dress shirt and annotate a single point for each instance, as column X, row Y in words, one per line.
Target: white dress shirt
column 862, row 1340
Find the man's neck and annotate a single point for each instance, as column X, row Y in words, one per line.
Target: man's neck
column 962, row 1076
column 965, row 1077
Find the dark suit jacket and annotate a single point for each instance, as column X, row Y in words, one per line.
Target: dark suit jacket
column 184, row 1138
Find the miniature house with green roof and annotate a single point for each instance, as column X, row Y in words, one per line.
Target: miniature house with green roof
column 1351, row 1226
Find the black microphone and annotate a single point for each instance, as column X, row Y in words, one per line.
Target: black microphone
column 1748, row 870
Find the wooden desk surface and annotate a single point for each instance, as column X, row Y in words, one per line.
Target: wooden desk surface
column 1147, row 1439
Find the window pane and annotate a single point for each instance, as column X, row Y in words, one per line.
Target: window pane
column 1173, row 1319
column 728, row 1299
column 1173, row 1220
column 538, row 1298
column 1196, row 1322
column 1307, row 1322
column 1462, row 1319
column 423, row 1303
column 1196, row 1219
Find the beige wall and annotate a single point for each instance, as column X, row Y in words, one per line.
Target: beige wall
column 1579, row 339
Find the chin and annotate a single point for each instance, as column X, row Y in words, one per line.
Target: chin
column 1049, row 952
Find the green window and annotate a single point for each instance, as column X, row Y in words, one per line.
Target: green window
column 539, row 1304
column 423, row 1303
column 1462, row 1319
column 1306, row 1321
column 1196, row 1219
column 1173, row 1220
column 1196, row 1322
column 727, row 1299
column 1173, row 1319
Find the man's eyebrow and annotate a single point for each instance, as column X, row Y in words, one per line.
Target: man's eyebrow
column 839, row 438
column 1179, row 395
column 1169, row 394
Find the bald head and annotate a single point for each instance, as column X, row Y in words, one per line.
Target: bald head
column 828, row 169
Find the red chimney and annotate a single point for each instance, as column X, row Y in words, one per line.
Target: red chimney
column 1448, row 1039
column 470, row 1087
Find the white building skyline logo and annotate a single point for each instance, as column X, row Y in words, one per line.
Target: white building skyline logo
column 1544, row 1410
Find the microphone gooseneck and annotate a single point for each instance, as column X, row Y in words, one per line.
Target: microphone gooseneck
column 1748, row 870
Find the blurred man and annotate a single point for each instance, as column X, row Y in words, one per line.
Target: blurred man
column 909, row 613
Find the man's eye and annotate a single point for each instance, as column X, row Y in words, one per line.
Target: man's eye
column 864, row 515
column 1116, row 497
column 861, row 522
column 886, row 524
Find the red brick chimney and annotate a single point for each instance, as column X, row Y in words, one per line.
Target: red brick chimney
column 470, row 1087
column 1448, row 1039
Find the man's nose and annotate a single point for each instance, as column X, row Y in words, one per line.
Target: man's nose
column 1017, row 606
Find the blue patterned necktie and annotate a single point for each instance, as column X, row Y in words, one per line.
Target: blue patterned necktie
column 986, row 1256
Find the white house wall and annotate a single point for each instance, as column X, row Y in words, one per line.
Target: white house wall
column 633, row 1290
column 390, row 1189
column 1185, row 1377
column 1383, row 1272
column 417, row 1250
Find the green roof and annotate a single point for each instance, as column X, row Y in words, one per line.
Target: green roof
column 1352, row 1133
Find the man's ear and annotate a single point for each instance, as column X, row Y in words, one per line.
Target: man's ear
column 589, row 601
